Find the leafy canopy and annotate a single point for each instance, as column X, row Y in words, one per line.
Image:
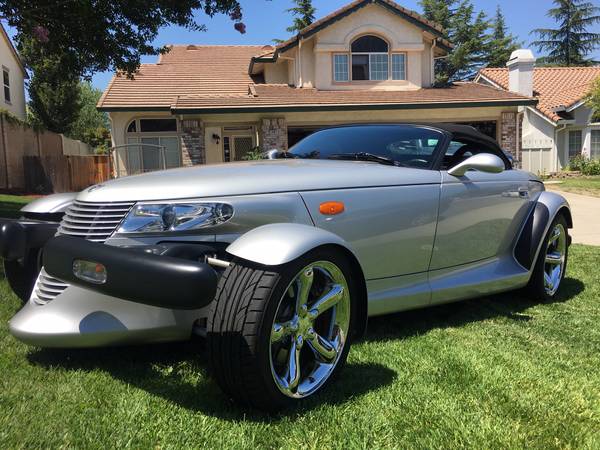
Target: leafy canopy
column 90, row 36
column 501, row 43
column 593, row 100
column 466, row 30
column 572, row 41
column 304, row 13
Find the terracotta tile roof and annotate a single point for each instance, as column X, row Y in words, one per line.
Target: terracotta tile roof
column 185, row 70
column 356, row 4
column 269, row 96
column 555, row 87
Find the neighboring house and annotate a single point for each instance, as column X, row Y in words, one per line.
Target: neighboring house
column 12, row 97
column 560, row 126
column 370, row 61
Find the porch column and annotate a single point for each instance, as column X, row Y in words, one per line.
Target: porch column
column 273, row 134
column 508, row 134
column 192, row 142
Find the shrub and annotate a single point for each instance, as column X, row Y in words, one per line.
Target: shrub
column 584, row 165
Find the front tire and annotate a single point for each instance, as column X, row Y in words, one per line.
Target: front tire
column 277, row 335
column 551, row 264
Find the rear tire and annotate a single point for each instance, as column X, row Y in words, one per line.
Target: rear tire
column 551, row 264
column 265, row 333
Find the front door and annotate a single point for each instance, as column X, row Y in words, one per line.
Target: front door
column 235, row 148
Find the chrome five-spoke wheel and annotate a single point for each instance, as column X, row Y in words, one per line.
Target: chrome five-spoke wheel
column 310, row 329
column 554, row 262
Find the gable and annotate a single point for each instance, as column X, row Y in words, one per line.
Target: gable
column 352, row 8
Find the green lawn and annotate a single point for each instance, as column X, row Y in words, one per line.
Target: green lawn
column 581, row 185
column 11, row 204
column 500, row 372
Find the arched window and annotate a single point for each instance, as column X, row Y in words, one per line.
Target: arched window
column 369, row 59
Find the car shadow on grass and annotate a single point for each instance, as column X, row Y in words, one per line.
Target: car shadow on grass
column 510, row 305
column 179, row 373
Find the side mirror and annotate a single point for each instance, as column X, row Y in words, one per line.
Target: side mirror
column 484, row 162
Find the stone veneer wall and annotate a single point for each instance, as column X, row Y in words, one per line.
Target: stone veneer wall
column 508, row 133
column 273, row 134
column 192, row 142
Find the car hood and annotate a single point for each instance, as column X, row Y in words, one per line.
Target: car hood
column 254, row 177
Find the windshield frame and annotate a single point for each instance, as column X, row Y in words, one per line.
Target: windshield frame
column 442, row 143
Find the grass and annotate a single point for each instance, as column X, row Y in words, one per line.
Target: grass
column 580, row 185
column 11, row 204
column 498, row 372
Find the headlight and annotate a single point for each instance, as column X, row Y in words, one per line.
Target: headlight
column 173, row 217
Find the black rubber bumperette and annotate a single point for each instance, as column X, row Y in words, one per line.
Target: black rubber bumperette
column 132, row 275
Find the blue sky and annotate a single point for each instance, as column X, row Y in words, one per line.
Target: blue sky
column 267, row 19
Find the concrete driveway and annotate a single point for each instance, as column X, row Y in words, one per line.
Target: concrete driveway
column 586, row 217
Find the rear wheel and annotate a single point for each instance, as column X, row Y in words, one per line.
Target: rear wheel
column 551, row 263
column 278, row 335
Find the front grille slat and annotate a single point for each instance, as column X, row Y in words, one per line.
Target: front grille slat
column 95, row 222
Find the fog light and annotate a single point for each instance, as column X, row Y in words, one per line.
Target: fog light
column 90, row 271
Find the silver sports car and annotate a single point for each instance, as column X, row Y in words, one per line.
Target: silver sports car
column 279, row 262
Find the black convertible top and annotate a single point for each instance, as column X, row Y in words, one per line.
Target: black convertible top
column 463, row 131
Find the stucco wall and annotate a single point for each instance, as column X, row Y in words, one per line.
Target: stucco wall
column 373, row 19
column 17, row 84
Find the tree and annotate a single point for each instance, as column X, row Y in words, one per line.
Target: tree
column 501, row 44
column 304, row 13
column 466, row 30
column 54, row 93
column 91, row 126
column 89, row 36
column 593, row 100
column 571, row 42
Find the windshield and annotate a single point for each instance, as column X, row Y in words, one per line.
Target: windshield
column 406, row 145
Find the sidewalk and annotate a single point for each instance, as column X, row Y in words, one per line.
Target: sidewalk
column 586, row 217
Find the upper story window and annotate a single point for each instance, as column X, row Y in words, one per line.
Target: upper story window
column 6, row 84
column 369, row 59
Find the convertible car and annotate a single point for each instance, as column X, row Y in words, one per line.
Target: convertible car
column 279, row 262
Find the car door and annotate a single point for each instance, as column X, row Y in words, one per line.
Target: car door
column 480, row 215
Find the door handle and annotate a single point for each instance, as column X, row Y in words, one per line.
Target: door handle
column 522, row 192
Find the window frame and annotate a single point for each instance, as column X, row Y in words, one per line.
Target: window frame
column 597, row 152
column 390, row 58
column 581, row 138
column 333, row 66
column 138, row 135
column 6, row 85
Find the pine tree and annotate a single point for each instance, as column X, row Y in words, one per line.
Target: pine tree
column 305, row 15
column 466, row 30
column 571, row 42
column 501, row 44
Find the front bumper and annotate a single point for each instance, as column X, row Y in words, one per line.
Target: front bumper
column 148, row 296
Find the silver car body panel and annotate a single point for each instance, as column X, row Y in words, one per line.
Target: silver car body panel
column 83, row 318
column 252, row 177
column 280, row 243
column 412, row 255
column 51, row 203
column 390, row 229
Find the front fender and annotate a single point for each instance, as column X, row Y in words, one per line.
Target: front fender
column 280, row 243
column 547, row 207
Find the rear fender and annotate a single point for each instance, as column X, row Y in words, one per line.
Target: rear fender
column 281, row 243
column 548, row 206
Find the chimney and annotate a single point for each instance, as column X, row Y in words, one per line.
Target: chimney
column 520, row 72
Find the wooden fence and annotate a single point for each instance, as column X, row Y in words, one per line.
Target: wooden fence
column 66, row 173
column 34, row 161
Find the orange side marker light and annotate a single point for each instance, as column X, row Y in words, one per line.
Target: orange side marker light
column 331, row 208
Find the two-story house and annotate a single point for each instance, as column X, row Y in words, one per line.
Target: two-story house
column 12, row 95
column 370, row 61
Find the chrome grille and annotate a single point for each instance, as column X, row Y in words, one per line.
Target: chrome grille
column 93, row 221
column 46, row 288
